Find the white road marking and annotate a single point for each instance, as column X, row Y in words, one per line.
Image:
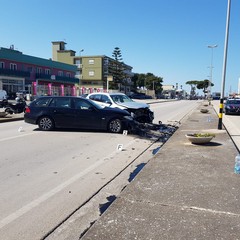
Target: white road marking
column 57, row 189
column 17, row 136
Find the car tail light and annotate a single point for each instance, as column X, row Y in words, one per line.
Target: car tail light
column 27, row 110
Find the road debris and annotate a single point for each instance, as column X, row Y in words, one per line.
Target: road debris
column 160, row 132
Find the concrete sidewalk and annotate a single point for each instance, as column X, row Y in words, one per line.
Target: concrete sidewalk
column 185, row 192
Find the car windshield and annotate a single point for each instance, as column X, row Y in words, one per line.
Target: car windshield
column 233, row 102
column 121, row 98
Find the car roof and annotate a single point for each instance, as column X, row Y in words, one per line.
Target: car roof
column 117, row 93
column 38, row 97
column 234, row 99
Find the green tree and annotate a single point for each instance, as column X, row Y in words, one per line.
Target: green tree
column 117, row 69
column 117, row 55
column 149, row 81
column 204, row 85
column 193, row 84
column 154, row 82
column 199, row 85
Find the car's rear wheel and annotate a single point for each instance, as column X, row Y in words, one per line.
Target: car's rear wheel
column 115, row 126
column 46, row 123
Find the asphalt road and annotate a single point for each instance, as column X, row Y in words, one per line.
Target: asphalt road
column 46, row 176
column 186, row 191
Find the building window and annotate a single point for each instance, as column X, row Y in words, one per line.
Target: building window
column 60, row 73
column 91, row 73
column 68, row 74
column 29, row 69
column 47, row 71
column 91, row 61
column 13, row 66
column 2, row 64
column 39, row 70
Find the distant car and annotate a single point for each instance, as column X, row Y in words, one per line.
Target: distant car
column 139, row 111
column 232, row 106
column 51, row 112
column 140, row 96
column 137, row 96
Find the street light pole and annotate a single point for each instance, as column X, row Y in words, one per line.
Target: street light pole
column 80, row 65
column 80, row 52
column 211, row 71
column 224, row 66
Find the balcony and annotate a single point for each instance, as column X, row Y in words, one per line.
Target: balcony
column 56, row 78
column 13, row 73
column 79, row 66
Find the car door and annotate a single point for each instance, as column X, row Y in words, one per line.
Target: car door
column 87, row 115
column 62, row 112
column 101, row 99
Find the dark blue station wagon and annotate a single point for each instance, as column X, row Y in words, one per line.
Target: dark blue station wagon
column 51, row 112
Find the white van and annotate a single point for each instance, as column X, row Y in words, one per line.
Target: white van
column 3, row 95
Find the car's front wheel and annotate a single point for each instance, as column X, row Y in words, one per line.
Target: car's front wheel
column 46, row 123
column 115, row 126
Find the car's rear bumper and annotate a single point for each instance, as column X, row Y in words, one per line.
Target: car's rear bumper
column 30, row 120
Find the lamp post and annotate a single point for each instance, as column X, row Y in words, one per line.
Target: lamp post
column 211, row 71
column 224, row 66
column 80, row 65
column 80, row 52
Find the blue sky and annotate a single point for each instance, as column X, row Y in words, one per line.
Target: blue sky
column 168, row 38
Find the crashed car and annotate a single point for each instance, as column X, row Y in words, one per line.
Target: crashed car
column 51, row 112
column 139, row 111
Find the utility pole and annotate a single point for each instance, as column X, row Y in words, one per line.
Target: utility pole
column 224, row 66
column 211, row 72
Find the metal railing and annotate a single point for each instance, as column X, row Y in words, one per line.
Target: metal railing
column 15, row 73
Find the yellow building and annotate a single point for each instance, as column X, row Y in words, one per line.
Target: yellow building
column 92, row 71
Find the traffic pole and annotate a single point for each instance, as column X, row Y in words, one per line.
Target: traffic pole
column 220, row 114
column 224, row 65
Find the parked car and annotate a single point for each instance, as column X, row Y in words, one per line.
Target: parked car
column 232, row 106
column 140, row 96
column 51, row 112
column 139, row 111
